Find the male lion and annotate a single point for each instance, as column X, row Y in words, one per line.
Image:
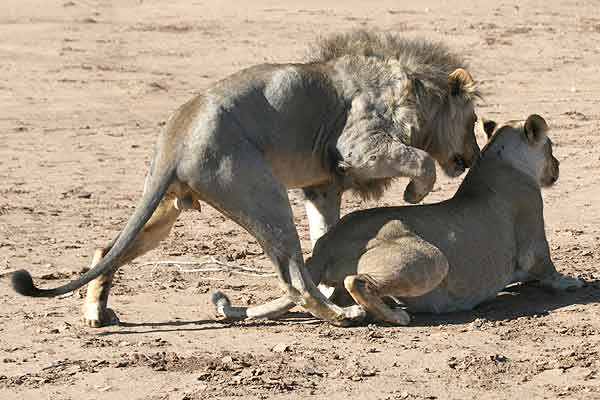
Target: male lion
column 369, row 108
column 452, row 255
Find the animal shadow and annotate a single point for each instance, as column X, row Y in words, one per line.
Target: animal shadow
column 516, row 301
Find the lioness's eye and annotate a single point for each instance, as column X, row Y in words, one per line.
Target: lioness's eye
column 373, row 158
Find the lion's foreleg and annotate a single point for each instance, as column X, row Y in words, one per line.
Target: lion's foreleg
column 259, row 202
column 393, row 160
column 322, row 209
column 419, row 166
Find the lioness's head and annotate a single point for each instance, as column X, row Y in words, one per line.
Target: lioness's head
column 527, row 148
column 451, row 130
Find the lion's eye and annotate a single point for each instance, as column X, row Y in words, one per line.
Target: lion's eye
column 373, row 158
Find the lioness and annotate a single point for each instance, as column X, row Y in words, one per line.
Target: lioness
column 451, row 255
column 369, row 108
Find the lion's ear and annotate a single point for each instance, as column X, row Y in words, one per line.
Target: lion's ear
column 535, row 128
column 489, row 127
column 460, row 82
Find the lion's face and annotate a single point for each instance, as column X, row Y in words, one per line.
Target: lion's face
column 455, row 146
column 465, row 150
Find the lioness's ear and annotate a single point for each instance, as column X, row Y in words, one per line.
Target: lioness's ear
column 460, row 82
column 489, row 127
column 535, row 128
column 342, row 167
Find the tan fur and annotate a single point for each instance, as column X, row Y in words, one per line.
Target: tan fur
column 349, row 122
column 455, row 254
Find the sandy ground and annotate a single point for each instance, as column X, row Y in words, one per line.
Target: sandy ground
column 85, row 86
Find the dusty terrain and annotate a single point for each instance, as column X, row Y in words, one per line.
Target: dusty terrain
column 85, row 85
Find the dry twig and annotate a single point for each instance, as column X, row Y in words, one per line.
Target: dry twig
column 211, row 265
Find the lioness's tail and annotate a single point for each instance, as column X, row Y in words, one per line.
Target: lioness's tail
column 155, row 190
column 272, row 309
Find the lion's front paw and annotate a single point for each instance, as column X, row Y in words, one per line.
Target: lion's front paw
column 562, row 282
column 96, row 316
column 414, row 195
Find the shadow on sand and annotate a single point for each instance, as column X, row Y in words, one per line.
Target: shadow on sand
column 515, row 302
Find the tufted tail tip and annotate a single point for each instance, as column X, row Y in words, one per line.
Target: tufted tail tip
column 22, row 283
column 220, row 301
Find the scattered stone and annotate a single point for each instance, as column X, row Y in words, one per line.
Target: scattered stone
column 281, row 348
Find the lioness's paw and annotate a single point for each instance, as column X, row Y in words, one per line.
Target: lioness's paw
column 350, row 316
column 96, row 317
column 400, row 317
column 355, row 312
column 562, row 283
column 412, row 195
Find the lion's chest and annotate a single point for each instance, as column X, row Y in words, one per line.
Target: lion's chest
column 297, row 170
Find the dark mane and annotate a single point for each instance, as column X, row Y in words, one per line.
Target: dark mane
column 376, row 61
column 423, row 59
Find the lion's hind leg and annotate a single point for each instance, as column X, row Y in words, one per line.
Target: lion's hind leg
column 404, row 267
column 95, row 311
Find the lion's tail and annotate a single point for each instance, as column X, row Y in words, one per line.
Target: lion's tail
column 155, row 190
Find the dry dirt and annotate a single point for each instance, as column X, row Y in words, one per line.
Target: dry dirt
column 85, row 85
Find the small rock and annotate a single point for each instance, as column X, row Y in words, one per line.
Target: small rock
column 204, row 376
column 281, row 348
column 453, row 362
column 336, row 373
column 227, row 360
column 246, row 373
column 499, row 358
column 310, row 371
column 369, row 372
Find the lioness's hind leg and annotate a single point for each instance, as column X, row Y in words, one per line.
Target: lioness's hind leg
column 365, row 292
column 405, row 266
column 95, row 311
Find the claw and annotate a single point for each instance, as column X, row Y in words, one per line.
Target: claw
column 95, row 318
